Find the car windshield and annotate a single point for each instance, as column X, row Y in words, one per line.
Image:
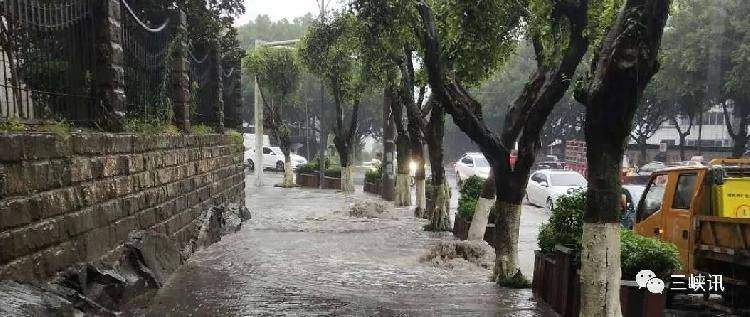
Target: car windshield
column 480, row 161
column 567, row 179
column 275, row 149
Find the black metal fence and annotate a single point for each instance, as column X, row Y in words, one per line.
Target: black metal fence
column 147, row 58
column 48, row 60
column 47, row 57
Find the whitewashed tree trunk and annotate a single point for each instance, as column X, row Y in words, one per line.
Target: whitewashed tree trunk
column 481, row 216
column 288, row 173
column 347, row 179
column 403, row 192
column 506, row 234
column 600, row 270
column 440, row 219
column 421, row 198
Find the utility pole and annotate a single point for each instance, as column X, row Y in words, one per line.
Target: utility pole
column 323, row 135
column 258, row 107
column 389, row 148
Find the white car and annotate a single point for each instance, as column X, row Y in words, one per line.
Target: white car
column 471, row 164
column 545, row 186
column 273, row 158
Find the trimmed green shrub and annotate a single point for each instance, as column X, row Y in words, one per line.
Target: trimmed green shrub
column 334, row 171
column 309, row 168
column 565, row 227
column 374, row 175
column 470, row 190
column 565, row 224
column 644, row 253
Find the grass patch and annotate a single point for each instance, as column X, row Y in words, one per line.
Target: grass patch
column 515, row 281
column 201, row 129
column 12, row 125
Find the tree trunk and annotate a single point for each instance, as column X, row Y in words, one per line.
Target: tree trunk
column 681, row 148
column 643, row 147
column 347, row 179
column 506, row 244
column 620, row 72
column 419, row 212
column 738, row 148
column 389, row 146
column 439, row 218
column 483, row 208
column 288, row 173
column 403, row 190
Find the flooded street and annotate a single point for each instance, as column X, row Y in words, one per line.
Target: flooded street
column 301, row 254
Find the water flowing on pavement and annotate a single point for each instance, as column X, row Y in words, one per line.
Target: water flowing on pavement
column 302, row 254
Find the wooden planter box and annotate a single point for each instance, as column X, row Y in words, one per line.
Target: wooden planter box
column 373, row 188
column 331, row 183
column 461, row 230
column 308, row 180
column 557, row 283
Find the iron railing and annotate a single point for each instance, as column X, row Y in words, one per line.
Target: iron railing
column 46, row 58
column 147, row 57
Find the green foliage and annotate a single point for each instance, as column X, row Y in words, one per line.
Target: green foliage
column 277, row 70
column 477, row 37
column 139, row 125
column 237, row 141
column 469, row 195
column 515, row 281
column 61, row 128
column 333, row 171
column 374, row 175
column 309, row 168
column 565, row 224
column 565, row 227
column 332, row 49
column 201, row 129
column 11, row 125
column 644, row 253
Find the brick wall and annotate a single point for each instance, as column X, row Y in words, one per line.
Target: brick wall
column 69, row 199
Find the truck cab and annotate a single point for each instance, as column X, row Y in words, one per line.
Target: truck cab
column 705, row 212
column 668, row 205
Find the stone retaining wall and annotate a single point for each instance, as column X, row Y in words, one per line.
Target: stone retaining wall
column 70, row 199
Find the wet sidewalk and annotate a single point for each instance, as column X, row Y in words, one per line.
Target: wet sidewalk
column 302, row 254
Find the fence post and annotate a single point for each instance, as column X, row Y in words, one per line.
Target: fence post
column 219, row 102
column 108, row 71
column 180, row 79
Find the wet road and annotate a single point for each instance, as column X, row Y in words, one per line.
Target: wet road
column 302, row 254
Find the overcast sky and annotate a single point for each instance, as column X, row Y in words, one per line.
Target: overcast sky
column 277, row 9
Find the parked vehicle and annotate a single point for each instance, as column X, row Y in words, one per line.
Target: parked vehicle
column 545, row 186
column 273, row 158
column 471, row 164
column 554, row 165
column 705, row 212
column 649, row 168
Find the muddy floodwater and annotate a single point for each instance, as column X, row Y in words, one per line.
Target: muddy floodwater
column 301, row 254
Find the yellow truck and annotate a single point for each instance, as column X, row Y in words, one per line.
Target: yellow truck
column 705, row 212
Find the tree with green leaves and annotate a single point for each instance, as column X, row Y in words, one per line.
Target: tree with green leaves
column 390, row 43
column 621, row 67
column 649, row 117
column 705, row 63
column 331, row 50
column 472, row 40
column 277, row 72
